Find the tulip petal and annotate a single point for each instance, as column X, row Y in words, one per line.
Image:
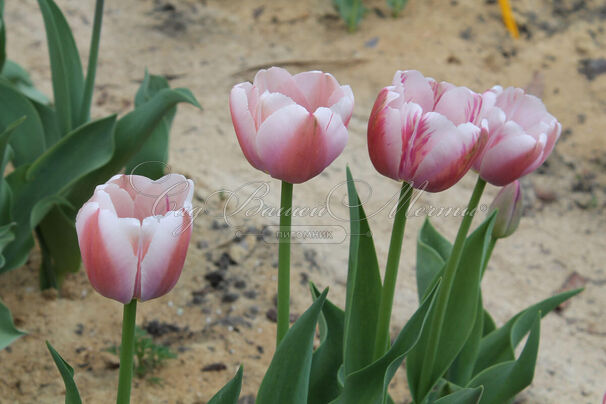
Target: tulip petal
column 525, row 109
column 508, row 159
column 278, row 80
column 164, row 242
column 447, row 153
column 385, row 134
column 244, row 124
column 270, row 103
column 290, row 143
column 342, row 103
column 460, row 105
column 317, row 87
column 416, row 88
column 334, row 133
column 109, row 250
column 111, row 197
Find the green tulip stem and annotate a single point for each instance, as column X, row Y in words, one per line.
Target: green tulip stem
column 450, row 271
column 382, row 341
column 127, row 350
column 284, row 261
column 89, row 85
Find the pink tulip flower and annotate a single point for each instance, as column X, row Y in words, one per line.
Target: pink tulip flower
column 421, row 131
column 291, row 127
column 521, row 135
column 133, row 235
column 509, row 203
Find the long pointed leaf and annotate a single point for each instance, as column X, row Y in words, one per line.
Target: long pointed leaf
column 328, row 357
column 369, row 385
column 17, row 77
column 363, row 288
column 461, row 306
column 72, row 396
column 131, row 132
column 463, row 396
column 230, row 393
column 2, row 36
column 8, row 332
column 499, row 345
column 28, row 141
column 461, row 370
column 433, row 251
column 287, row 379
column 79, row 153
column 66, row 67
column 151, row 159
column 503, row 381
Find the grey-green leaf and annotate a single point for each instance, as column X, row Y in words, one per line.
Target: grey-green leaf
column 230, row 393
column 463, row 396
column 459, row 317
column 66, row 67
column 499, row 345
column 72, row 396
column 433, row 251
column 328, row 357
column 132, row 131
column 503, row 381
column 18, row 77
column 28, row 141
column 8, row 332
column 369, row 385
column 2, row 36
column 363, row 288
column 77, row 154
column 150, row 160
column 461, row 370
column 287, row 378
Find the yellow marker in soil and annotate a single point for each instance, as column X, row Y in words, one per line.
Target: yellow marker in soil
column 508, row 19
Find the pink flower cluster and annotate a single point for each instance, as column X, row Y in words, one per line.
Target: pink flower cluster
column 425, row 132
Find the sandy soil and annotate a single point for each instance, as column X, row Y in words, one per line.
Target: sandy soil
column 220, row 311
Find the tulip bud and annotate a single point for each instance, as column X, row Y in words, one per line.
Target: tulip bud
column 509, row 203
column 133, row 235
column 422, row 132
column 291, row 127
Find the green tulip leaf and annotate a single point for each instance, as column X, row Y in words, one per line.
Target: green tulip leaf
column 72, row 396
column 489, row 324
column 230, row 393
column 363, row 288
column 369, row 385
column 66, row 68
column 351, row 12
column 48, row 117
column 460, row 315
column 499, row 345
column 59, row 245
column 2, row 36
column 287, row 379
column 18, row 78
column 504, row 380
column 8, row 332
column 433, row 251
column 132, row 131
column 461, row 370
column 463, row 396
column 151, row 159
column 28, row 141
column 328, row 357
column 72, row 158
